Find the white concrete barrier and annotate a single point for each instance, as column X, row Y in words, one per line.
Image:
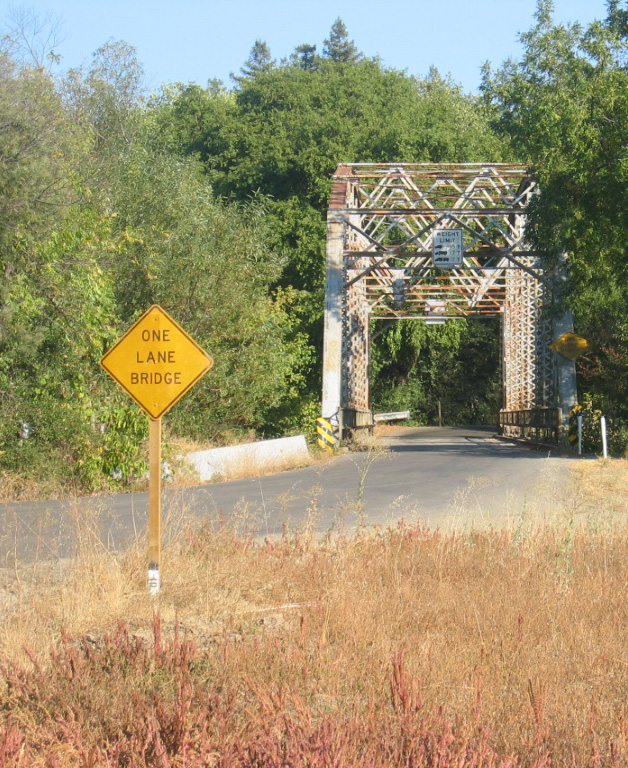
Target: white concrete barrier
column 250, row 458
column 391, row 416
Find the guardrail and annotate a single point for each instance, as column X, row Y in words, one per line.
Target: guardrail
column 537, row 424
column 391, row 416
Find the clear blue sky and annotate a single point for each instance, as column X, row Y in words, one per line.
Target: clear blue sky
column 196, row 40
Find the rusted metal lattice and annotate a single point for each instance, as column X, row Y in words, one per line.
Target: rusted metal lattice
column 381, row 225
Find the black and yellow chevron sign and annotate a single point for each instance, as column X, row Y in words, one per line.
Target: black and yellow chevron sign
column 573, row 424
column 326, row 438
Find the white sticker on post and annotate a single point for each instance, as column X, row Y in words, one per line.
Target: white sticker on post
column 153, row 580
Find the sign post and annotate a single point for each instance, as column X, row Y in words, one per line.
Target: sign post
column 154, row 504
column 156, row 362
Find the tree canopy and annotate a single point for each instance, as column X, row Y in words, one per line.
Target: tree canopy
column 337, row 46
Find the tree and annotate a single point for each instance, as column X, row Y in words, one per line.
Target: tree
column 31, row 38
column 305, row 56
column 415, row 366
column 285, row 131
column 108, row 96
column 259, row 61
column 337, row 46
column 209, row 264
column 564, row 108
column 185, row 118
column 40, row 152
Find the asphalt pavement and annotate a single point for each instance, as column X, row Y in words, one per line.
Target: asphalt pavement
column 448, row 477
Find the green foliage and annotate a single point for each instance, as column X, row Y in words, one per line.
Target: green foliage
column 118, row 454
column 564, row 108
column 417, row 366
column 209, row 265
column 106, row 97
column 337, row 46
column 259, row 61
column 57, row 323
column 40, row 153
column 284, row 131
column 594, row 406
column 304, row 56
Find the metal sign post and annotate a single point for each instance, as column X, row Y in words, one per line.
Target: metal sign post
column 154, row 505
column 156, row 362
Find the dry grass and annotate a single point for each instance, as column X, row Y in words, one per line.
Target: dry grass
column 604, row 484
column 17, row 487
column 395, row 647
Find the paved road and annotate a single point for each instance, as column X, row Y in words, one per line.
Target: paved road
column 459, row 477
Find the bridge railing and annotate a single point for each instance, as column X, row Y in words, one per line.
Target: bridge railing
column 537, row 424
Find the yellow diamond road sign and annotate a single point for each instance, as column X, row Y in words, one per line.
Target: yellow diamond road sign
column 570, row 346
column 156, row 362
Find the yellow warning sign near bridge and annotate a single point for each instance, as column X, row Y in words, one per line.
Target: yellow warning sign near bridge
column 570, row 346
column 156, row 362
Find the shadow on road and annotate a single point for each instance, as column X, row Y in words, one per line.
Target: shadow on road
column 480, row 440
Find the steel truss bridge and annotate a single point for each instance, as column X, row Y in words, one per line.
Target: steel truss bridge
column 381, row 228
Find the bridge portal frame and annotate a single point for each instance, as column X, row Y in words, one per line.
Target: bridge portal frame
column 380, row 226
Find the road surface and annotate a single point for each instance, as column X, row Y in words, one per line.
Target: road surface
column 449, row 477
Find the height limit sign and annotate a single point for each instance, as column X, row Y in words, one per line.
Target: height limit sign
column 447, row 250
column 156, row 363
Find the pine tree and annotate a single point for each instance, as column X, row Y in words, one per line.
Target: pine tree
column 305, row 56
column 338, row 47
column 259, row 61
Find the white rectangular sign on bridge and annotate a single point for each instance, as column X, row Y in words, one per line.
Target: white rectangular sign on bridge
column 447, row 249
